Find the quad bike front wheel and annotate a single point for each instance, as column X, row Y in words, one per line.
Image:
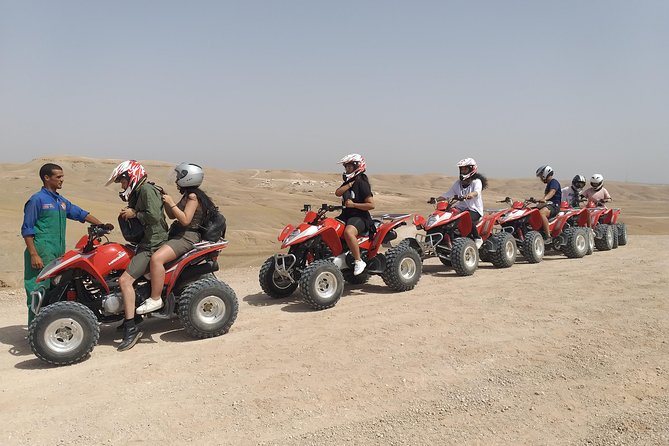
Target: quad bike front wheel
column 207, row 308
column 533, row 247
column 604, row 237
column 591, row 241
column 274, row 284
column 576, row 244
column 464, row 256
column 321, row 285
column 505, row 250
column 403, row 268
column 64, row 333
column 622, row 233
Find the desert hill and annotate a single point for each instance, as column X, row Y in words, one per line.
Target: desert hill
column 259, row 203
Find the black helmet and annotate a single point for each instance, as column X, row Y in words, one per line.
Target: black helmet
column 578, row 182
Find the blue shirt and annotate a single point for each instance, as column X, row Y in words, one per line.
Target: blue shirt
column 557, row 198
column 47, row 201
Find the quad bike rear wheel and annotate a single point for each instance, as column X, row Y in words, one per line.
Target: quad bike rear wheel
column 533, row 247
column 274, row 284
column 64, row 333
column 464, row 256
column 505, row 250
column 614, row 228
column 321, row 285
column 403, row 268
column 591, row 241
column 207, row 308
column 603, row 237
column 622, row 233
column 576, row 242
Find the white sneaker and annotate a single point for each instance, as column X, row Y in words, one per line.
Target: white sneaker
column 149, row 305
column 358, row 267
column 479, row 243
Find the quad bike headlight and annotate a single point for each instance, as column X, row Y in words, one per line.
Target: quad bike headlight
column 56, row 280
column 432, row 220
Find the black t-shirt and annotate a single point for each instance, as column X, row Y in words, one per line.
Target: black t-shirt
column 360, row 191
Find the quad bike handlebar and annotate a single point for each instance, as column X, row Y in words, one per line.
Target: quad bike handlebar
column 452, row 200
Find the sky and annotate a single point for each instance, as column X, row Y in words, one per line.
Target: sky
column 413, row 86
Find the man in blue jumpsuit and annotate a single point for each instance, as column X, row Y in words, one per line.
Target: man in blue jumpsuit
column 43, row 229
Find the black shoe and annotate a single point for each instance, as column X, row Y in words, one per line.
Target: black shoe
column 130, row 338
column 138, row 320
column 548, row 241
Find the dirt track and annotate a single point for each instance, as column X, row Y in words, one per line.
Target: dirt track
column 562, row 352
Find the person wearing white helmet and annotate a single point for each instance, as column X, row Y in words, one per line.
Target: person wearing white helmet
column 572, row 194
column 469, row 186
column 550, row 202
column 144, row 204
column 597, row 193
column 358, row 200
column 188, row 214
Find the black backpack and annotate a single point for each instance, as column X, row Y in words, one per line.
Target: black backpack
column 213, row 226
column 132, row 229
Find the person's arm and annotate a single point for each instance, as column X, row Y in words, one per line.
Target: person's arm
column 448, row 194
column 90, row 218
column 368, row 205
column 186, row 216
column 35, row 259
column 478, row 187
column 347, row 185
column 149, row 207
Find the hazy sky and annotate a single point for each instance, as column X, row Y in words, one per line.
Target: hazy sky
column 412, row 85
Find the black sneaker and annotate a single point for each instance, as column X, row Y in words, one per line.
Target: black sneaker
column 548, row 241
column 138, row 320
column 130, row 338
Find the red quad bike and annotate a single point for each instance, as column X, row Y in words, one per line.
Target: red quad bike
column 609, row 234
column 499, row 245
column 569, row 230
column 318, row 261
column 524, row 223
column 84, row 292
column 446, row 237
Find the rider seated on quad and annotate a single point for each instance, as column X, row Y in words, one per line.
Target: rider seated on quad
column 469, row 186
column 358, row 200
column 597, row 193
column 145, row 205
column 184, row 232
column 572, row 194
column 551, row 199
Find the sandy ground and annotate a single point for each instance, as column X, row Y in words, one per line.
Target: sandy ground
column 567, row 351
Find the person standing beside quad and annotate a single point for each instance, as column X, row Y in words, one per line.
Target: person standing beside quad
column 358, row 200
column 44, row 219
column 469, row 186
column 146, row 205
column 551, row 199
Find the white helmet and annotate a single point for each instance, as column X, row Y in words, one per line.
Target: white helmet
column 544, row 172
column 189, row 175
column 473, row 168
column 597, row 181
column 130, row 170
column 358, row 163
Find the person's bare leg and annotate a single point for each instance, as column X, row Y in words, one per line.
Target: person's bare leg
column 545, row 212
column 157, row 269
column 128, row 293
column 351, row 237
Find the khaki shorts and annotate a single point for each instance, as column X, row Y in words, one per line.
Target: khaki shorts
column 181, row 245
column 139, row 265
